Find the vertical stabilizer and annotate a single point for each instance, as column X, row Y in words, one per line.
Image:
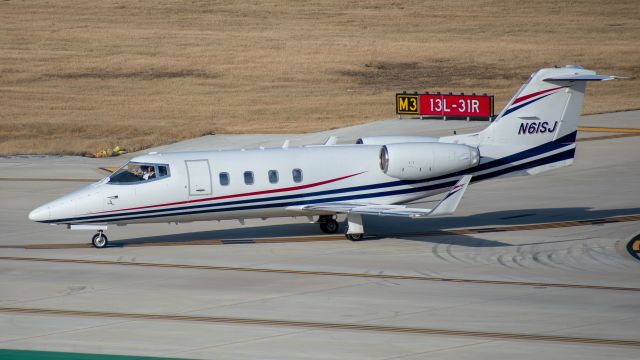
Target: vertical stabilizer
column 546, row 108
column 542, row 118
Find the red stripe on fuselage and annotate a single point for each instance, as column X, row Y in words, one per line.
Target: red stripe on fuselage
column 523, row 98
column 292, row 188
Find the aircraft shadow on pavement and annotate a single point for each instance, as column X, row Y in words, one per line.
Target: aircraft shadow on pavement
column 427, row 229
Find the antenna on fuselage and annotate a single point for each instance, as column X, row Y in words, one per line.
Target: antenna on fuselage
column 286, row 144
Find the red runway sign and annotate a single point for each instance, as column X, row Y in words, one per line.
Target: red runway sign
column 445, row 105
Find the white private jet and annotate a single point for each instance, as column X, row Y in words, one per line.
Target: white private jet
column 535, row 132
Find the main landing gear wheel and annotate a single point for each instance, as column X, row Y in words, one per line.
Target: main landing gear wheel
column 100, row 240
column 330, row 226
column 355, row 229
column 354, row 237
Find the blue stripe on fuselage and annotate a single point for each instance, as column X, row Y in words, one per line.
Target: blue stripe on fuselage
column 565, row 155
column 566, row 140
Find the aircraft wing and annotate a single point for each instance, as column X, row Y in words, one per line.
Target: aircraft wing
column 446, row 206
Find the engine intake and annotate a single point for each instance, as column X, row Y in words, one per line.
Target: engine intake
column 416, row 161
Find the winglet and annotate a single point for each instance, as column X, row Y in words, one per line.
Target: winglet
column 450, row 202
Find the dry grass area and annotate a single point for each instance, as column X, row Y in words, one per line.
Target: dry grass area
column 77, row 76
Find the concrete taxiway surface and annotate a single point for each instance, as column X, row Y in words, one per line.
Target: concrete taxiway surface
column 529, row 267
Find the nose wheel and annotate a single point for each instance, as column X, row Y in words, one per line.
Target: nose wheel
column 100, row 240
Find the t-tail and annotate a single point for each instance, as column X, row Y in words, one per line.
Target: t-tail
column 537, row 129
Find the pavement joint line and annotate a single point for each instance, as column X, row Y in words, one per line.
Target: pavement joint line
column 324, row 273
column 326, row 325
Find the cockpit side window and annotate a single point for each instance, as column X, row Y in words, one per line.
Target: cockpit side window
column 139, row 172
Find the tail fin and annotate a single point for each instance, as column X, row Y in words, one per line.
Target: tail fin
column 543, row 115
column 545, row 109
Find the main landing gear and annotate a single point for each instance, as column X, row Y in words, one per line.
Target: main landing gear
column 328, row 224
column 354, row 237
column 100, row 240
column 355, row 229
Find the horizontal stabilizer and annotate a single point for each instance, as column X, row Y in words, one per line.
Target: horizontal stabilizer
column 582, row 78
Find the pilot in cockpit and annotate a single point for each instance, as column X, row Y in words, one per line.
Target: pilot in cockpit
column 149, row 173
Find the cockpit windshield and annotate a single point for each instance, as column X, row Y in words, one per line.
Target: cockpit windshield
column 139, row 172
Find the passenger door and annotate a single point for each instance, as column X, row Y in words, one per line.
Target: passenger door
column 199, row 174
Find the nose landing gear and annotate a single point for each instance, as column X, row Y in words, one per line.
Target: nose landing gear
column 100, row 240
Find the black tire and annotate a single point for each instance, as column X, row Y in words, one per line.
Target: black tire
column 99, row 241
column 330, row 227
column 354, row 237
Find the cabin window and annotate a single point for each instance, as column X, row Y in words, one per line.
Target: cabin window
column 162, row 171
column 224, row 178
column 139, row 172
column 248, row 177
column 273, row 176
column 297, row 175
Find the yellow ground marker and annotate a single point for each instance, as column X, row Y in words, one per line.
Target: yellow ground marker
column 633, row 247
column 109, row 169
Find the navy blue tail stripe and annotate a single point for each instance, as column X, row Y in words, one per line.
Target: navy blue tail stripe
column 524, row 104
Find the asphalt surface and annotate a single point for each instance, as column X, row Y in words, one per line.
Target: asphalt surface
column 529, row 267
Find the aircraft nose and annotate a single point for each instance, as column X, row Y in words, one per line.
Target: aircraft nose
column 43, row 213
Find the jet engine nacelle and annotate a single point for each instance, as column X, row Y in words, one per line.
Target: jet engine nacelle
column 384, row 140
column 415, row 161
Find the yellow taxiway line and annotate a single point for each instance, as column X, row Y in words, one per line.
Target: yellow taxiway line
column 607, row 129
